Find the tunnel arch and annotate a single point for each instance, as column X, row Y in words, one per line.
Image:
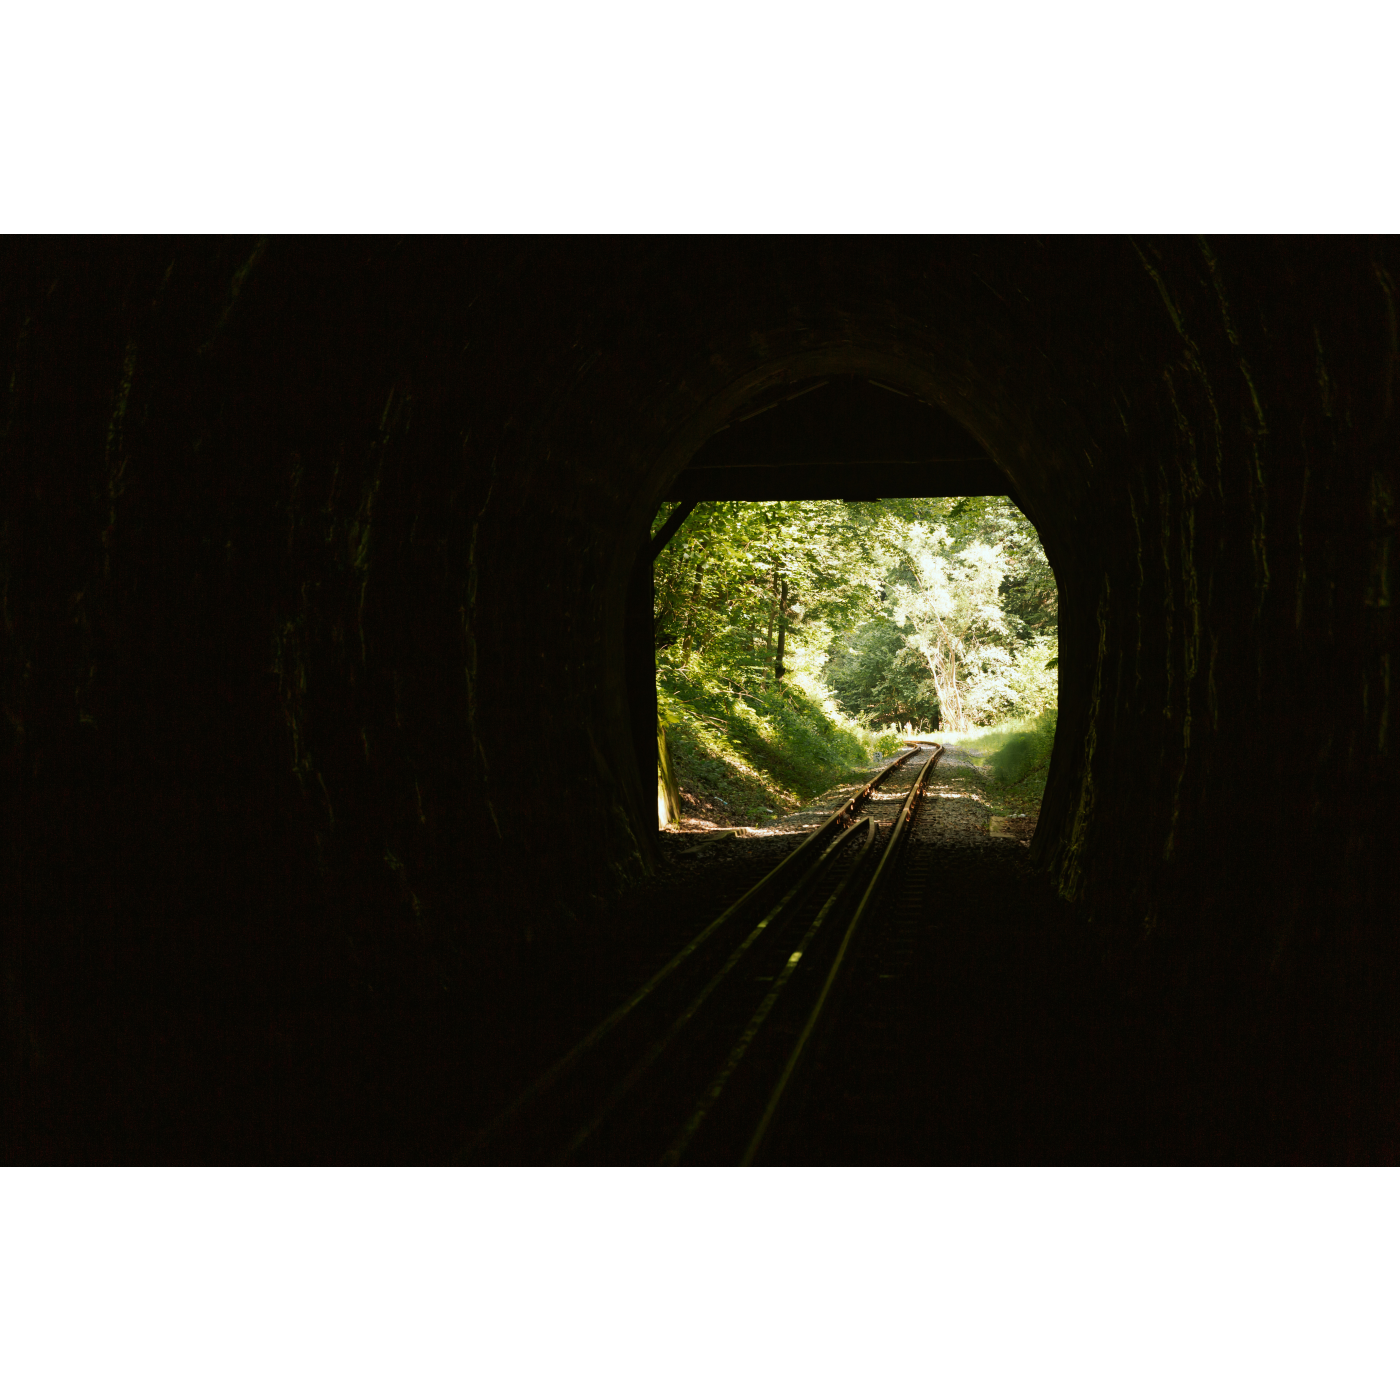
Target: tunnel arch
column 783, row 363
column 1169, row 457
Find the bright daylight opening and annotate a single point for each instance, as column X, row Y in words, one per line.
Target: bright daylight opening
column 800, row 642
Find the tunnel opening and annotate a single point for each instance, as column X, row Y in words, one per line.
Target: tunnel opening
column 796, row 642
column 875, row 454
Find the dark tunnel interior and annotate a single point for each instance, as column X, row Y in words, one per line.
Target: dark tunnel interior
column 327, row 682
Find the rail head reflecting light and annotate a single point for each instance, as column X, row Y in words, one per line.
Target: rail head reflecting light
column 781, row 892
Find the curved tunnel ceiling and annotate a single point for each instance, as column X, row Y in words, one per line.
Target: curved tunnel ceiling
column 840, row 437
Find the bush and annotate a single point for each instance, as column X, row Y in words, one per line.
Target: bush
column 889, row 741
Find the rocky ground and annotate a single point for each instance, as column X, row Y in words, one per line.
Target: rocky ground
column 969, row 808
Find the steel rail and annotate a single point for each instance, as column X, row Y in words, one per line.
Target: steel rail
column 785, row 869
column 659, row 1047
column 898, row 835
column 710, row 1097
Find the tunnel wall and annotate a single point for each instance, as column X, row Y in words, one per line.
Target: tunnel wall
column 315, row 557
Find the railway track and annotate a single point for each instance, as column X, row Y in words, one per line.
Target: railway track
column 703, row 1063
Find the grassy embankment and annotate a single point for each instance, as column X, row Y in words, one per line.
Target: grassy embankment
column 743, row 757
column 1013, row 757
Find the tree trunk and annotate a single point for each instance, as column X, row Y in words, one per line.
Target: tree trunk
column 772, row 612
column 778, row 668
column 690, row 612
column 668, row 796
column 945, row 684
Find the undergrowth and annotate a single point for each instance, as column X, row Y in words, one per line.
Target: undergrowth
column 744, row 750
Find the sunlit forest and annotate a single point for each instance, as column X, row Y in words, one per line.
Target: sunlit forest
column 797, row 642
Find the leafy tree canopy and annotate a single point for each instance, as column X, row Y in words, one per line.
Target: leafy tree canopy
column 925, row 612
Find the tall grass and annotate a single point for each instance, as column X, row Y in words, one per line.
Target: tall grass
column 1016, row 752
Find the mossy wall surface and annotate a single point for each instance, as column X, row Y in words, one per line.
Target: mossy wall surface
column 314, row 559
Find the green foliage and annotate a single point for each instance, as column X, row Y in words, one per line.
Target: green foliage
column 965, row 630
column 874, row 673
column 1014, row 759
column 1028, row 593
column 740, row 578
column 955, row 625
column 888, row 742
column 1017, row 752
column 756, row 752
column 795, row 637
column 1034, row 678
